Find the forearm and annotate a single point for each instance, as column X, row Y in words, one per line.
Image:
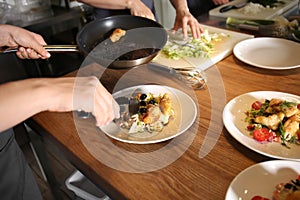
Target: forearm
column 180, row 5
column 23, row 99
column 111, row 4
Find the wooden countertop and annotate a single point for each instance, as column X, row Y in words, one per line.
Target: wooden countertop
column 203, row 170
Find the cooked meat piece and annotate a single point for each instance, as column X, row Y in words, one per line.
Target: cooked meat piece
column 276, row 105
column 291, row 111
column 275, row 102
column 271, row 121
column 165, row 104
column 117, row 34
column 152, row 115
column 291, row 126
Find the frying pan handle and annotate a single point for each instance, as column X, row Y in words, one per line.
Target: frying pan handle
column 50, row 48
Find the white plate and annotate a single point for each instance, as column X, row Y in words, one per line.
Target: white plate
column 260, row 179
column 185, row 114
column 234, row 121
column 268, row 53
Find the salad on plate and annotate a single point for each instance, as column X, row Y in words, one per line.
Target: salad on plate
column 274, row 120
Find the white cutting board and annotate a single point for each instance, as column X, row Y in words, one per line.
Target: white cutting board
column 222, row 49
column 267, row 13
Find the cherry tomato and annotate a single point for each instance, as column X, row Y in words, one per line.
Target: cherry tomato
column 262, row 134
column 259, row 198
column 256, row 105
column 298, row 106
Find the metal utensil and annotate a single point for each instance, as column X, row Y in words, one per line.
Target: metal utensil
column 128, row 107
column 193, row 77
column 50, row 48
column 234, row 6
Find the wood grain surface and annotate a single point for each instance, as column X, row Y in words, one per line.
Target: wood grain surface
column 208, row 157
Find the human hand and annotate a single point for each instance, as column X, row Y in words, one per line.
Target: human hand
column 184, row 19
column 220, row 2
column 85, row 94
column 30, row 44
column 138, row 8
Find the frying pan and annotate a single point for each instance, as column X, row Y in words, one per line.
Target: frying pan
column 142, row 35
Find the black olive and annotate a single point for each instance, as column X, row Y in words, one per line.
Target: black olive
column 143, row 97
column 288, row 186
column 143, row 110
column 143, row 103
column 152, row 101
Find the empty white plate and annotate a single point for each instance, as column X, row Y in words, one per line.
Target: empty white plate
column 269, row 53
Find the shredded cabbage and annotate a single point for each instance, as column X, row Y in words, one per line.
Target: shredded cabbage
column 196, row 48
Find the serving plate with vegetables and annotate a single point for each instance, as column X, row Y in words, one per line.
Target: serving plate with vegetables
column 148, row 127
column 260, row 181
column 259, row 120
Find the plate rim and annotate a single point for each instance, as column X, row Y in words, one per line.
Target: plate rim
column 236, row 135
column 162, row 139
column 238, row 45
column 274, row 163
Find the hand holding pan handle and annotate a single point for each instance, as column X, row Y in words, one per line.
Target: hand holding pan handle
column 50, row 48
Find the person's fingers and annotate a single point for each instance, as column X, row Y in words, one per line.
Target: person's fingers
column 41, row 51
column 196, row 29
column 185, row 27
column 101, row 118
column 116, row 109
column 104, row 103
column 21, row 53
column 32, row 54
column 148, row 16
column 28, row 53
column 38, row 46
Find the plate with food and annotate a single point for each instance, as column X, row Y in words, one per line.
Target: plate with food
column 266, row 122
column 151, row 114
column 270, row 180
column 263, row 52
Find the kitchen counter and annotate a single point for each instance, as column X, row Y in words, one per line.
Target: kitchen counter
column 208, row 156
column 198, row 164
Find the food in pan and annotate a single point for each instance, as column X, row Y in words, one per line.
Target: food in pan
column 274, row 120
column 154, row 113
column 117, row 34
